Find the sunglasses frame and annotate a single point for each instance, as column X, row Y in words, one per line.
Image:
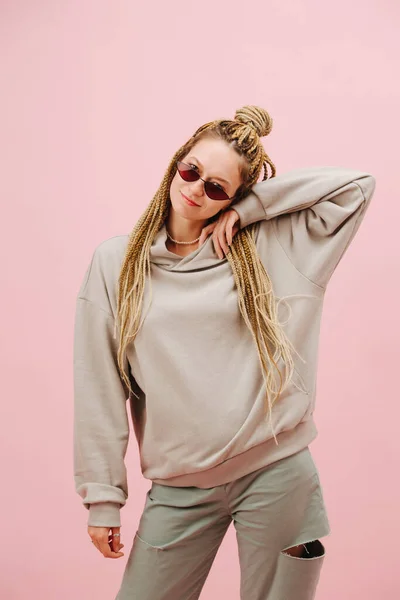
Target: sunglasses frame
column 178, row 162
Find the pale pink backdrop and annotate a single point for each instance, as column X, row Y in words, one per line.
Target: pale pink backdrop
column 95, row 97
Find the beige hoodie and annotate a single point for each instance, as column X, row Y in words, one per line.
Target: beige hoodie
column 198, row 415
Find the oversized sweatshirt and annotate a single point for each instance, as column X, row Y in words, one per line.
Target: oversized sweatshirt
column 198, row 408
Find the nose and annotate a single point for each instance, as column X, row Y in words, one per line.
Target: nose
column 196, row 187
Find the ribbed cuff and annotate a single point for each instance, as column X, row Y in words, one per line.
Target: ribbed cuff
column 249, row 210
column 104, row 514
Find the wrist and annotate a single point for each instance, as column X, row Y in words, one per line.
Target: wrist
column 104, row 514
column 249, row 209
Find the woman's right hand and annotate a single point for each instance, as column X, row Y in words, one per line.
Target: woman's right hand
column 105, row 542
column 223, row 231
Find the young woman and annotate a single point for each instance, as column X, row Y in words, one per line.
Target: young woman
column 206, row 318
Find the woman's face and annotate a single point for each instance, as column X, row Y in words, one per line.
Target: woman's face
column 215, row 161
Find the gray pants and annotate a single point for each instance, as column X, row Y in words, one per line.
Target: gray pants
column 273, row 509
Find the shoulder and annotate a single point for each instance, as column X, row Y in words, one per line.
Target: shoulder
column 114, row 247
column 109, row 254
column 101, row 277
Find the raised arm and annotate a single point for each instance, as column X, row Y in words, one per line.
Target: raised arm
column 101, row 426
column 316, row 211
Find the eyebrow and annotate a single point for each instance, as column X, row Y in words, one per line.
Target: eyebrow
column 216, row 177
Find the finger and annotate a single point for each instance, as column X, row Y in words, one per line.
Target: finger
column 206, row 232
column 202, row 238
column 115, row 539
column 229, row 231
column 223, row 241
column 232, row 225
column 106, row 551
column 217, row 246
column 100, row 540
column 231, row 234
column 117, row 546
column 222, row 236
column 219, row 236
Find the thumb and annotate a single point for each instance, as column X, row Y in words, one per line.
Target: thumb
column 206, row 232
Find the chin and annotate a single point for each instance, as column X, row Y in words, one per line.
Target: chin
column 181, row 208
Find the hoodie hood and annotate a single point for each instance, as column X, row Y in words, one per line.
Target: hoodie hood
column 201, row 258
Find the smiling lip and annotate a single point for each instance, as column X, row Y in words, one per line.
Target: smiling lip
column 190, row 201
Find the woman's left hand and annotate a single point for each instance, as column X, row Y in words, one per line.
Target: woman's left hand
column 223, row 230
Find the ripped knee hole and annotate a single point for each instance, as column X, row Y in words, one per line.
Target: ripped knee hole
column 308, row 550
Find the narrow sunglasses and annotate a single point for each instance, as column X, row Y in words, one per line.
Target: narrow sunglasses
column 213, row 190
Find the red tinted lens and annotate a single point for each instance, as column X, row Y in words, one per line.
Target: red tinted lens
column 215, row 192
column 187, row 173
column 212, row 190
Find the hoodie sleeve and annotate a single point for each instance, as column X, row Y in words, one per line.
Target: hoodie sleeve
column 316, row 212
column 101, row 426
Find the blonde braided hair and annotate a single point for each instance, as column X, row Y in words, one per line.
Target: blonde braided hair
column 256, row 300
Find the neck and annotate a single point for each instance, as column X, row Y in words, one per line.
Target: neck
column 182, row 229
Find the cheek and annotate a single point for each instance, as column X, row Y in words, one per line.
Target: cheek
column 221, row 206
column 215, row 207
column 174, row 187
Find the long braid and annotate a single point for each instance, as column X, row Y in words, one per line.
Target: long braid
column 256, row 300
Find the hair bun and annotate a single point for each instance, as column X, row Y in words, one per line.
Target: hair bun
column 256, row 117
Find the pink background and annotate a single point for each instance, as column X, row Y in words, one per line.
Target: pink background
column 96, row 96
